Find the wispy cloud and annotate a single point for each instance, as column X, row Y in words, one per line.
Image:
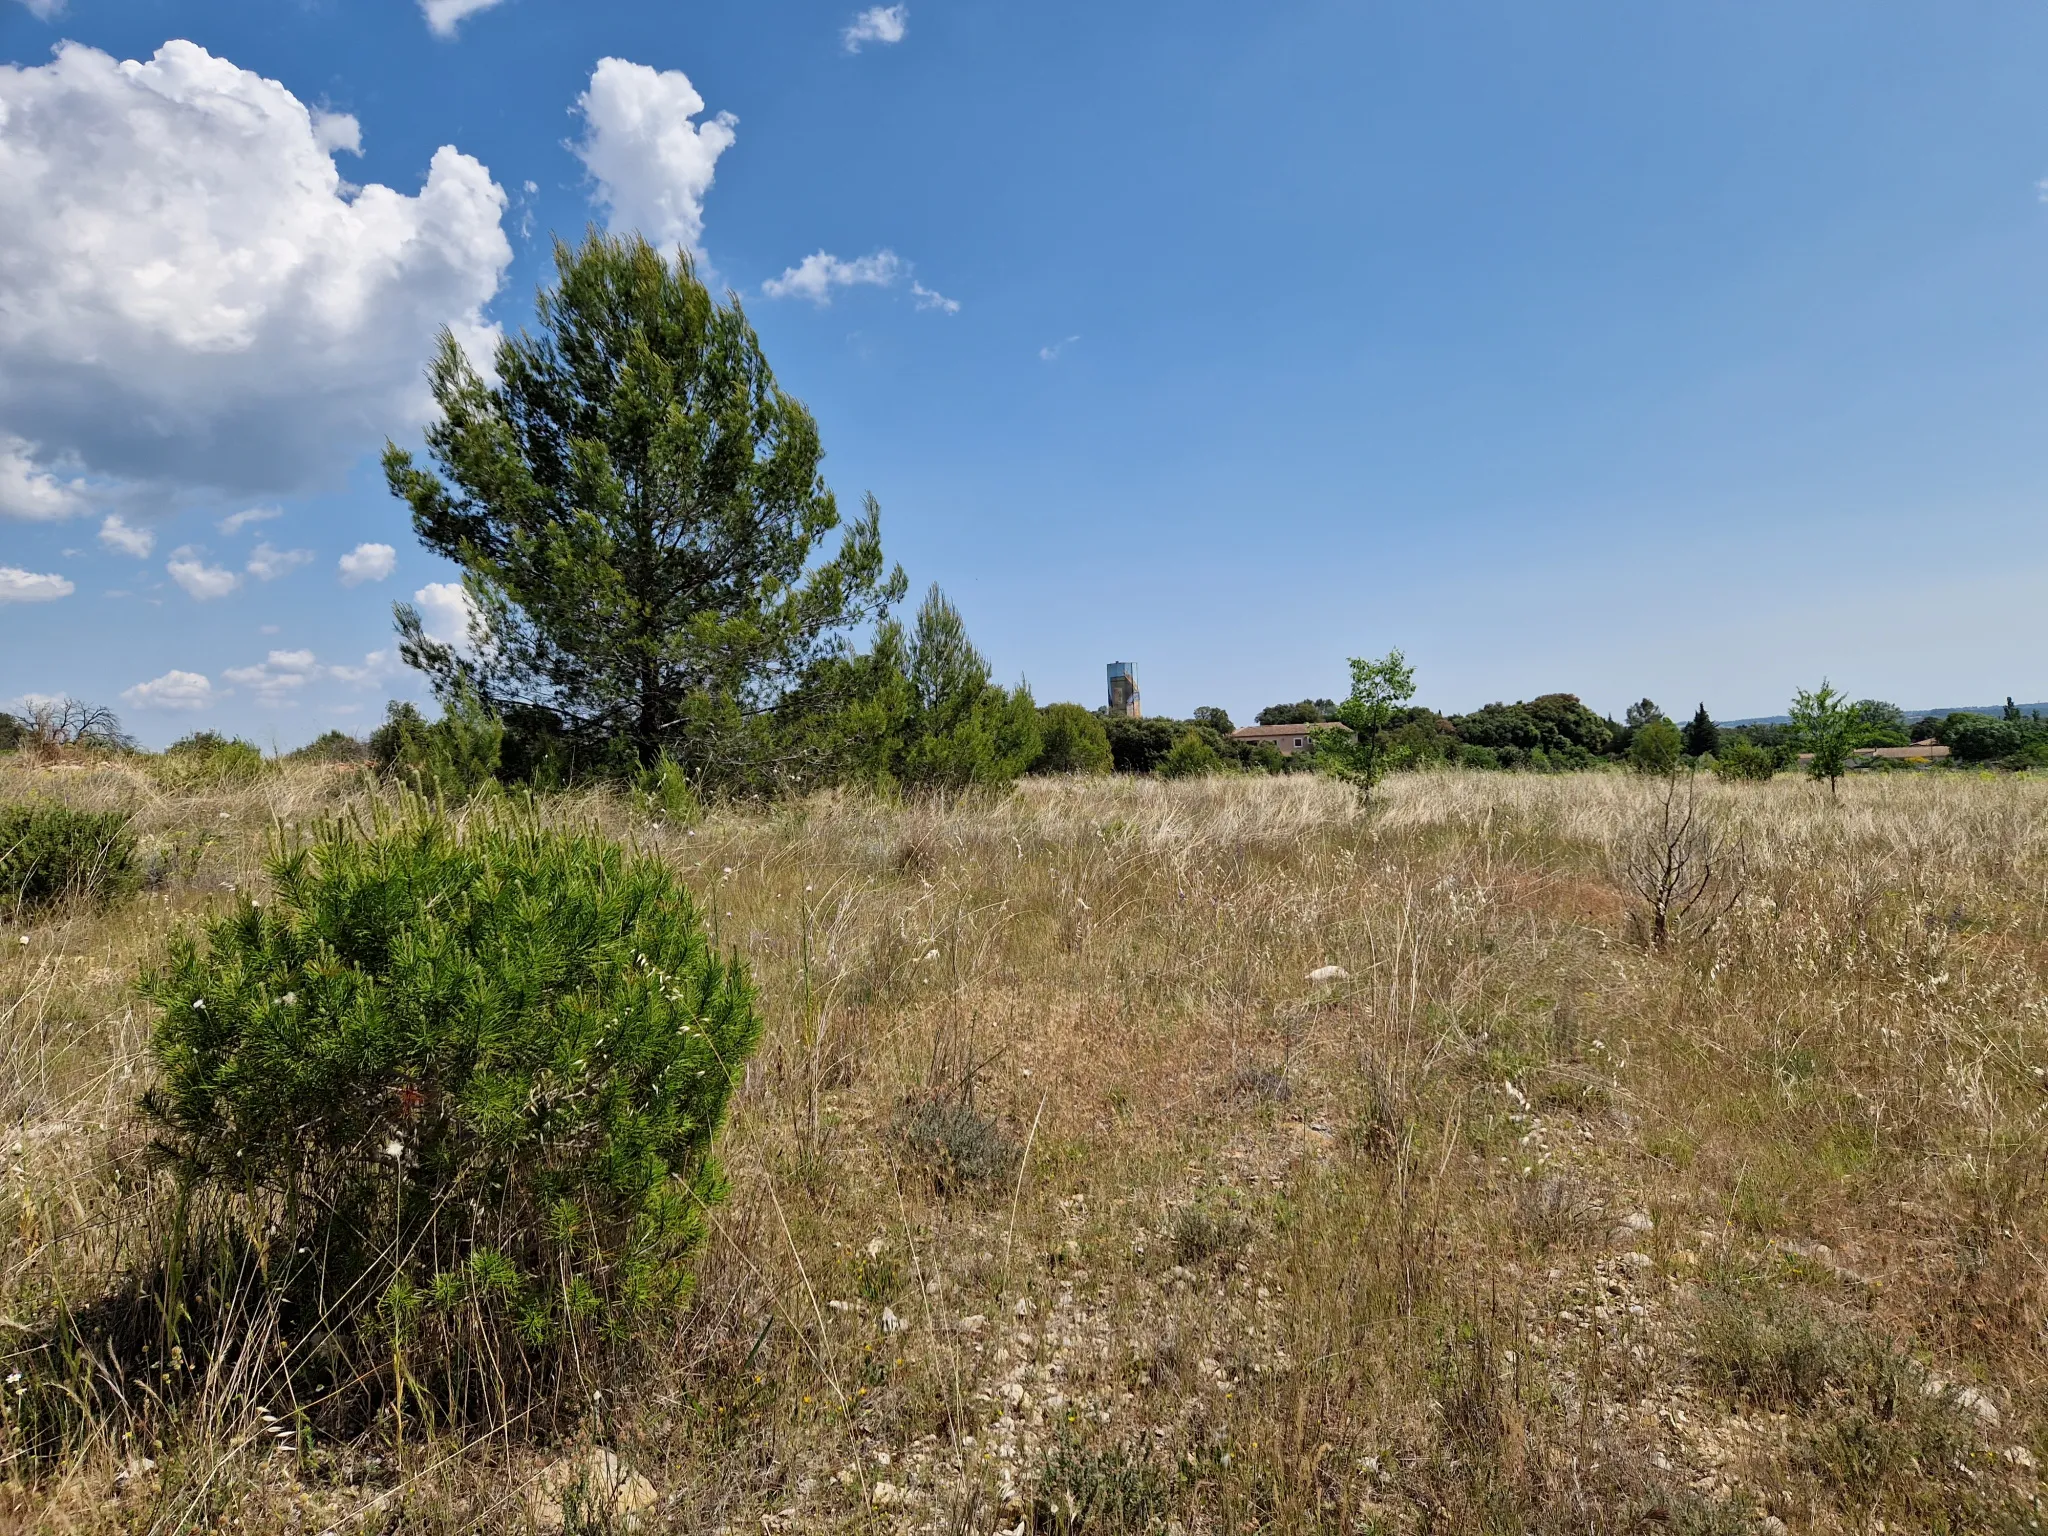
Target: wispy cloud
column 235, row 522
column 876, row 24
column 280, row 676
column 444, row 16
column 1052, row 353
column 819, row 273
column 267, row 562
column 125, row 538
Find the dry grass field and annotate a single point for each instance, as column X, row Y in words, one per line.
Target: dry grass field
column 1064, row 1200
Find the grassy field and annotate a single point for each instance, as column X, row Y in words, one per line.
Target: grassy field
column 1064, row 1198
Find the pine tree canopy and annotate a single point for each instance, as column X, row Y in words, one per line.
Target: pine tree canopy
column 640, row 519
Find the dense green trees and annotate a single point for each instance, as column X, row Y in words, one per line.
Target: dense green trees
column 1553, row 730
column 637, row 509
column 1307, row 712
column 1879, row 724
column 1071, row 740
column 1702, row 736
column 1655, row 747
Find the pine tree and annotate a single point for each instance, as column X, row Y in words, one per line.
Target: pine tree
column 638, row 512
column 1702, row 736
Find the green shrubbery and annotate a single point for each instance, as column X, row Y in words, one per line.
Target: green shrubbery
column 332, row 747
column 1071, row 740
column 206, row 760
column 1745, row 760
column 1190, row 757
column 454, row 1097
column 453, row 757
column 51, row 853
column 1655, row 748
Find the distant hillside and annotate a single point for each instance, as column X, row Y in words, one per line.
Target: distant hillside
column 1911, row 714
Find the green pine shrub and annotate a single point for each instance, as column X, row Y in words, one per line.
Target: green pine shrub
column 453, row 757
column 667, row 792
column 453, row 1093
column 51, row 853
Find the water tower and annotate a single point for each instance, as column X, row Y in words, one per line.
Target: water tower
column 1123, row 691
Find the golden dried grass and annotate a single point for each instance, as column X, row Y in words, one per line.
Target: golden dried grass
column 1472, row 1189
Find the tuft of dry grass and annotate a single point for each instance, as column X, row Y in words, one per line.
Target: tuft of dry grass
column 1520, row 1225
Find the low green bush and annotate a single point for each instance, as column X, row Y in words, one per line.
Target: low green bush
column 1740, row 761
column 453, row 757
column 51, row 853
column 331, row 747
column 1071, row 740
column 207, row 759
column 454, row 1097
column 1190, row 758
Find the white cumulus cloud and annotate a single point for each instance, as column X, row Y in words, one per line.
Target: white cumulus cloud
column 29, row 491
column 927, row 299
column 819, row 273
column 126, row 539
column 876, row 24
column 195, row 298
column 174, row 690
column 44, row 10
column 19, row 586
column 444, row 16
column 188, row 568
column 446, row 612
column 651, row 161
column 367, row 562
column 267, row 562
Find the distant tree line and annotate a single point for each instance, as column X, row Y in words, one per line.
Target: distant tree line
column 663, row 593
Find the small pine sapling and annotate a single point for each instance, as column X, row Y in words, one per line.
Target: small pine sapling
column 455, row 1094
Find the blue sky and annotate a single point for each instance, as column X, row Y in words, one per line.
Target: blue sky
column 1685, row 351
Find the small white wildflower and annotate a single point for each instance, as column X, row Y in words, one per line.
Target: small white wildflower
column 394, row 1148
column 13, row 1377
column 24, row 938
column 199, row 1003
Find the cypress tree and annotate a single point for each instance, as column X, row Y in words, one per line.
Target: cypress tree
column 1702, row 736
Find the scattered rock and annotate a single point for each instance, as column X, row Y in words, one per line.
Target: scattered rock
column 891, row 1323
column 1328, row 973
